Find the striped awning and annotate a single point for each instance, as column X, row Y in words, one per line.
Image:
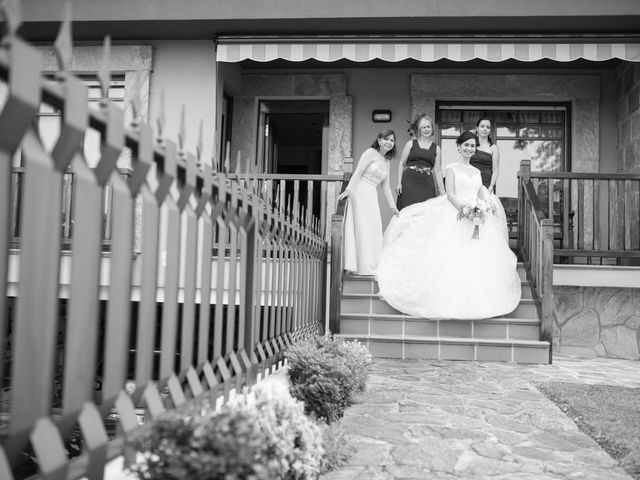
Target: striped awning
column 362, row 49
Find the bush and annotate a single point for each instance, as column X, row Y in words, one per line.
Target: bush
column 337, row 447
column 325, row 374
column 261, row 436
column 292, row 437
column 197, row 445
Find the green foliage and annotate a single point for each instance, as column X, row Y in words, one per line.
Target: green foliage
column 199, row 445
column 265, row 434
column 261, row 436
column 325, row 374
column 337, row 447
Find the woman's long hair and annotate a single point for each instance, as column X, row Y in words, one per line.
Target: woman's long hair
column 484, row 117
column 385, row 134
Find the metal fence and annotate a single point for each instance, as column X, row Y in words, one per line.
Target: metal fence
column 201, row 284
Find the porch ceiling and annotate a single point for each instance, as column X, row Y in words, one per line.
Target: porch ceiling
column 43, row 28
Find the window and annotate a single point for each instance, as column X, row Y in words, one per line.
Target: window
column 536, row 132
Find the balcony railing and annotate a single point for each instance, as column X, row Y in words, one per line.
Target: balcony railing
column 595, row 215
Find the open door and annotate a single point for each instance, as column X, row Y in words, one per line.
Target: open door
column 293, row 136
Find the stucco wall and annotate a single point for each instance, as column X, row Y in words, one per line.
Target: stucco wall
column 374, row 89
column 597, row 322
column 186, row 72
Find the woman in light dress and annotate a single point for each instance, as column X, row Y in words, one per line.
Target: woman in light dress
column 363, row 228
column 430, row 265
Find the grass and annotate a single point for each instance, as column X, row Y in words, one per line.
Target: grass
column 610, row 415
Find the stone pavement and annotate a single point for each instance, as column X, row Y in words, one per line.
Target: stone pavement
column 427, row 419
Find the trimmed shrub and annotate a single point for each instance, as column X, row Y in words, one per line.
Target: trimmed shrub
column 325, row 374
column 197, row 445
column 293, row 438
column 337, row 447
column 260, row 436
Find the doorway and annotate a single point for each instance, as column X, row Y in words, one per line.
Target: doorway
column 293, row 136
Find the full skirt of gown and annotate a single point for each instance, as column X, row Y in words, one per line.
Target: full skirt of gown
column 431, row 267
column 363, row 229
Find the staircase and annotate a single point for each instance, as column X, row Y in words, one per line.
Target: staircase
column 388, row 333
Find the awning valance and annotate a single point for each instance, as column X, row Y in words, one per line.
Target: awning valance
column 361, row 49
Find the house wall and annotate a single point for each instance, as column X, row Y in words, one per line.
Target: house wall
column 186, row 72
column 597, row 321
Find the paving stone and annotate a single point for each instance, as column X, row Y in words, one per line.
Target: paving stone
column 429, row 419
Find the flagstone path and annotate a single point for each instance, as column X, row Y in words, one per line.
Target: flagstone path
column 463, row 420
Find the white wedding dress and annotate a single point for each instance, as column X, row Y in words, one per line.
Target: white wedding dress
column 430, row 266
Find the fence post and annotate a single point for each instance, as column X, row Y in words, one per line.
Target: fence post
column 23, row 83
column 546, row 283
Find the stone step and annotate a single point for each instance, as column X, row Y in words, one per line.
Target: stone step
column 453, row 348
column 366, row 284
column 399, row 324
column 359, row 284
column 374, row 304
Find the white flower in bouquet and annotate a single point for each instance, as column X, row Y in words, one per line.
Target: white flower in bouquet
column 475, row 210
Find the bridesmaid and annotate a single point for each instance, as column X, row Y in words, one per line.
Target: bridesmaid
column 420, row 173
column 363, row 227
column 487, row 156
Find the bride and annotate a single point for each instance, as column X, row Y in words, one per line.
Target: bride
column 436, row 263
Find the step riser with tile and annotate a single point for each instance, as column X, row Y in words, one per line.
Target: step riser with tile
column 391, row 334
column 486, row 329
column 448, row 350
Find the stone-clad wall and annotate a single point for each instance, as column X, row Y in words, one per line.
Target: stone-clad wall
column 597, row 322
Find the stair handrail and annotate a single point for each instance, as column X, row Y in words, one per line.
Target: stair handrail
column 535, row 245
column 337, row 259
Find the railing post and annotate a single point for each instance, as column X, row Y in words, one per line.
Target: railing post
column 524, row 176
column 335, row 291
column 546, row 284
column 337, row 260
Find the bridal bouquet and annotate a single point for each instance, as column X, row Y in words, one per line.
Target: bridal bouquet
column 476, row 211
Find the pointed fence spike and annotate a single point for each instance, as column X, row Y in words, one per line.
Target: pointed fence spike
column 238, row 162
column 104, row 72
column 64, row 42
column 136, row 100
column 161, row 120
column 12, row 15
column 227, row 163
column 182, row 132
column 238, row 169
column 199, row 145
column 214, row 153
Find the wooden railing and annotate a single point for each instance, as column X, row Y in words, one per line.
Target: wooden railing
column 595, row 215
column 535, row 246
column 171, row 319
column 337, row 261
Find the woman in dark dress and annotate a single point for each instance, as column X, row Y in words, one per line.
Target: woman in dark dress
column 420, row 172
column 487, row 156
